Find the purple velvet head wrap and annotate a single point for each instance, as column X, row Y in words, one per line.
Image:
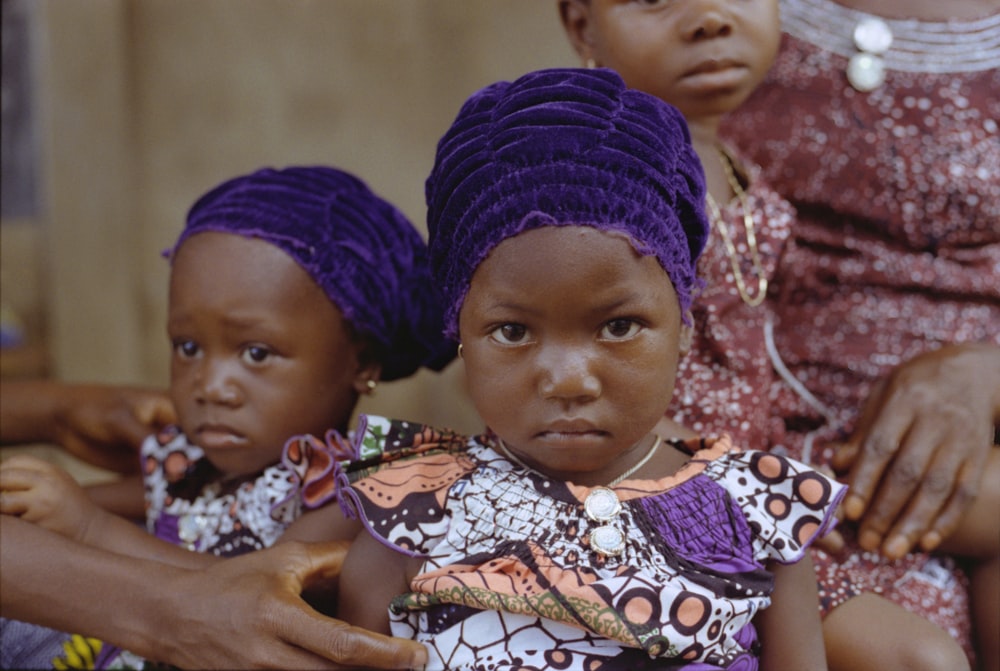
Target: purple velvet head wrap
column 564, row 147
column 363, row 252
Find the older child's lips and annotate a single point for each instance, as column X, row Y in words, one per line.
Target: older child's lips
column 715, row 73
column 570, row 432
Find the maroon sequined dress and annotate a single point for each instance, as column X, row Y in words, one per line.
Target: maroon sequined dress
column 896, row 250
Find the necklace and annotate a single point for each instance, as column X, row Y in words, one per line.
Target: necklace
column 601, row 505
column 734, row 261
column 866, row 69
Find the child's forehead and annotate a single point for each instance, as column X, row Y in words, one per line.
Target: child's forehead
column 567, row 244
column 212, row 263
column 591, row 258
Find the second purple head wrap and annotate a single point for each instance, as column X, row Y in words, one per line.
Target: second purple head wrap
column 362, row 251
column 564, row 147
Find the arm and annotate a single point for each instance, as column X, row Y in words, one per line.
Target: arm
column 327, row 523
column 46, row 495
column 244, row 612
column 916, row 458
column 124, row 496
column 790, row 631
column 103, row 425
column 363, row 601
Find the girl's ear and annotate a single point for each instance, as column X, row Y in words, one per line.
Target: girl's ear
column 686, row 334
column 367, row 379
column 369, row 371
column 575, row 16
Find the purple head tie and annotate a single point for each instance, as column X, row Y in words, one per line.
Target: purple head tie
column 362, row 251
column 563, row 147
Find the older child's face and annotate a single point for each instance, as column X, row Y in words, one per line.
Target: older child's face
column 259, row 351
column 702, row 56
column 570, row 340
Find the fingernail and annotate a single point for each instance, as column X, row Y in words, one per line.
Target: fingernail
column 869, row 540
column 930, row 540
column 854, row 507
column 897, row 547
column 419, row 660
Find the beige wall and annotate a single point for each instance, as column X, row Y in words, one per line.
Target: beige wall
column 147, row 103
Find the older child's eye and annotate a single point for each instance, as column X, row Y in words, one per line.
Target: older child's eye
column 509, row 334
column 619, row 329
column 256, row 354
column 186, row 349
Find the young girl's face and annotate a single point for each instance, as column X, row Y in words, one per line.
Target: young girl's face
column 570, row 341
column 702, row 56
column 260, row 353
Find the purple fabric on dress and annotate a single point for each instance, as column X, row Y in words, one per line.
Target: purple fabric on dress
column 564, row 147
column 167, row 529
column 718, row 536
column 362, row 251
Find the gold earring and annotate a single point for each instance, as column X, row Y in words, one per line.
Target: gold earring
column 371, row 384
column 460, row 351
column 591, row 64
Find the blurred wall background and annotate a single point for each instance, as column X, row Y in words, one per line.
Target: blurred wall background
column 131, row 109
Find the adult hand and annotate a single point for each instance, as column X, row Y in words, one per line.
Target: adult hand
column 917, row 455
column 105, row 425
column 44, row 494
column 247, row 612
column 101, row 424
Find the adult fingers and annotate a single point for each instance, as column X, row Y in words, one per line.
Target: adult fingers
column 877, row 446
column 911, row 492
column 832, row 543
column 948, row 487
column 844, row 456
column 333, row 639
column 352, row 647
column 963, row 495
column 13, row 502
column 150, row 412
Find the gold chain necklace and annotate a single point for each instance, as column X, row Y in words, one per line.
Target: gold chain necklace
column 601, row 505
column 734, row 261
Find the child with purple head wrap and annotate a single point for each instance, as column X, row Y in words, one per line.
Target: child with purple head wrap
column 292, row 292
column 566, row 217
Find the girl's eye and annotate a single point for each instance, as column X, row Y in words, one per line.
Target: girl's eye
column 186, row 349
column 509, row 334
column 256, row 354
column 620, row 329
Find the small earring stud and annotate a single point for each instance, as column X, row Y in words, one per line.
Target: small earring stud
column 371, row 384
column 460, row 351
column 591, row 64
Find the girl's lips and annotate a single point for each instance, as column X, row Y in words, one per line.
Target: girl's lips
column 571, row 438
column 218, row 438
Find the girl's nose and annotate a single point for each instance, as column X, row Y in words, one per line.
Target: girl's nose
column 567, row 373
column 215, row 385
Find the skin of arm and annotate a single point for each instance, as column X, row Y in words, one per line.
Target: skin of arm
column 253, row 616
column 124, row 497
column 103, row 425
column 363, row 601
column 790, row 630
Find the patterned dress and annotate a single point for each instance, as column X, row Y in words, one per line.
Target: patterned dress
column 188, row 505
column 897, row 246
column 510, row 581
